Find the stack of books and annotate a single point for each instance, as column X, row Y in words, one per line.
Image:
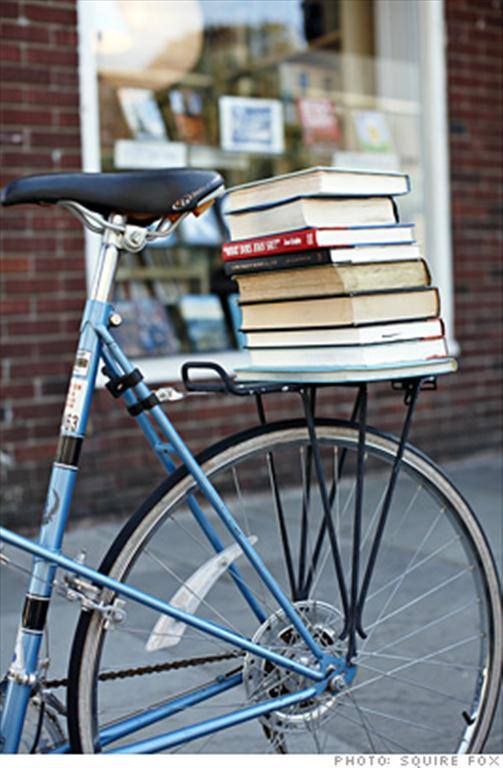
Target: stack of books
column 333, row 288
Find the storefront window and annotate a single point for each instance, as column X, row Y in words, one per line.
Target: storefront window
column 250, row 89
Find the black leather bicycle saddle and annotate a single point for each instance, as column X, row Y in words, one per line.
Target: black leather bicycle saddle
column 142, row 196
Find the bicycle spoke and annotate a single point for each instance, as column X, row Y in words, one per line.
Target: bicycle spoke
column 420, row 597
column 401, row 578
column 396, row 719
column 412, row 568
column 280, row 518
column 403, row 749
column 182, row 582
column 413, row 683
column 429, row 625
column 397, row 700
column 364, row 721
column 323, row 530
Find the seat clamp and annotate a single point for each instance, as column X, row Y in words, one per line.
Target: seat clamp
column 144, row 405
column 120, row 384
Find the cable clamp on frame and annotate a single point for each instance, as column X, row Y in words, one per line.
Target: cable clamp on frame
column 144, row 405
column 120, row 384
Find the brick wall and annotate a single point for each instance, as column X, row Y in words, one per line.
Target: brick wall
column 43, row 276
column 42, row 262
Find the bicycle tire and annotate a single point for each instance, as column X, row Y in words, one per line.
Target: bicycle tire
column 131, row 544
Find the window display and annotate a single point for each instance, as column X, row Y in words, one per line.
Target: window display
column 251, row 90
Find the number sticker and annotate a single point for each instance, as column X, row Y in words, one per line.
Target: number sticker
column 74, row 404
column 81, row 365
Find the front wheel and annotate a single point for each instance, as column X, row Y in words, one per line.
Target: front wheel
column 424, row 679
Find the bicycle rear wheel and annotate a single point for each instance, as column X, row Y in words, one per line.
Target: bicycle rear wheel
column 426, row 676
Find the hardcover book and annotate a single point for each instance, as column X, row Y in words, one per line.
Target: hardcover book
column 142, row 113
column 330, row 280
column 348, row 336
column 334, row 256
column 320, row 124
column 363, row 355
column 187, row 115
column 312, row 212
column 309, row 239
column 342, row 310
column 345, row 374
column 373, row 131
column 316, row 182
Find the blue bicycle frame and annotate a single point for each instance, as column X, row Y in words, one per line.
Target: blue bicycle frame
column 95, row 344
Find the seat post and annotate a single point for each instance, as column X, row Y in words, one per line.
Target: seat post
column 107, row 260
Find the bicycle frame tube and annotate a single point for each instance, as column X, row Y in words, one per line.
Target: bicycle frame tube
column 143, row 392
column 96, row 342
column 22, row 675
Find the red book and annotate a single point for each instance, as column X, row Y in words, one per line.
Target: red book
column 310, row 239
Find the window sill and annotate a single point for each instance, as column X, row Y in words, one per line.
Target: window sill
column 161, row 370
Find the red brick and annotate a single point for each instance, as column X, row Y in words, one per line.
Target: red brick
column 10, row 52
column 55, row 139
column 56, row 304
column 24, row 74
column 44, row 450
column 29, row 160
column 25, row 116
column 55, row 97
column 68, row 119
column 12, row 94
column 25, row 32
column 9, row 9
column 65, row 37
column 51, row 13
column 53, row 56
column 15, row 306
column 15, row 264
column 16, row 391
column 40, row 328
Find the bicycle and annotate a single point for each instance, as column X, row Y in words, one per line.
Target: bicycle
column 296, row 624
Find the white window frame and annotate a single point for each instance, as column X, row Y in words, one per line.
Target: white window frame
column 432, row 40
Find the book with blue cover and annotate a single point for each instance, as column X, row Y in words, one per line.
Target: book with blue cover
column 146, row 329
column 321, row 181
column 332, row 374
column 204, row 322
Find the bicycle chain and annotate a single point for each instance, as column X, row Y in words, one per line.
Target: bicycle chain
column 121, row 674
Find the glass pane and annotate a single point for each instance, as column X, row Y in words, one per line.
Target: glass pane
column 250, row 89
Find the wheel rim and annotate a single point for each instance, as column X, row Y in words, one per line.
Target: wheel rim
column 357, row 726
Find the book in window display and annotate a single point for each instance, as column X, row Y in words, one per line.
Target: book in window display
column 251, row 125
column 373, row 132
column 146, row 329
column 319, row 122
column 142, row 113
column 204, row 322
column 186, row 110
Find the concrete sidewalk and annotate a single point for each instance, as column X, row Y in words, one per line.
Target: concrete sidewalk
column 478, row 478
